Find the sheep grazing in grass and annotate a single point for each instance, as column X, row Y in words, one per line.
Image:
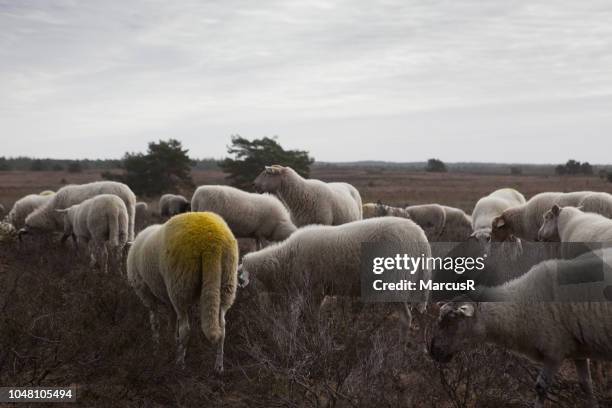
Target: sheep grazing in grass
column 325, row 260
column 372, row 210
column 525, row 316
column 491, row 206
column 311, row 201
column 571, row 225
column 173, row 204
column 24, row 207
column 249, row 215
column 524, row 221
column 193, row 256
column 441, row 223
column 101, row 222
column 141, row 213
column 46, row 218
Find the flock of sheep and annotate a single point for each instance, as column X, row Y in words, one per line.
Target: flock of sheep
column 309, row 233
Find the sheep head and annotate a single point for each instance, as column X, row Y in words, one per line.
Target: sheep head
column 270, row 179
column 501, row 230
column 458, row 328
column 549, row 231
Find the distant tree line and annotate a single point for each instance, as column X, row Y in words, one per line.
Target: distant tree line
column 573, row 168
column 23, row 163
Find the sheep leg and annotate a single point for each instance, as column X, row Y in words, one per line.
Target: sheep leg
column 149, row 301
column 154, row 320
column 584, row 375
column 219, row 357
column 543, row 382
column 104, row 257
column 183, row 338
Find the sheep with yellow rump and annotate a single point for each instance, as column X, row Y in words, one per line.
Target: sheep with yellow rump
column 192, row 256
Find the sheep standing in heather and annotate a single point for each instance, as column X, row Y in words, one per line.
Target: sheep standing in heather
column 524, row 221
column 141, row 213
column 441, row 223
column 249, row 215
column 372, row 210
column 491, row 206
column 526, row 316
column 101, row 222
column 191, row 257
column 46, row 218
column 24, row 207
column 325, row 260
column 173, row 204
column 311, row 201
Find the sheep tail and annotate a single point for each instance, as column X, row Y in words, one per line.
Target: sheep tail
column 210, row 297
column 113, row 230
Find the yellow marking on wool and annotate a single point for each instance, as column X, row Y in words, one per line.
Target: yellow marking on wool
column 46, row 193
column 197, row 237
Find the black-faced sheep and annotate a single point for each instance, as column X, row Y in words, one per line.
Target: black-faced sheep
column 173, row 204
column 311, row 201
column 249, row 215
column 528, row 316
column 193, row 256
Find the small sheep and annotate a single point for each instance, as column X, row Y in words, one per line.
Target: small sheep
column 101, row 222
column 249, row 215
column 524, row 221
column 173, row 204
column 372, row 210
column 491, row 206
column 325, row 260
column 45, row 218
column 523, row 316
column 141, row 211
column 191, row 257
column 311, row 201
column 441, row 223
column 570, row 224
column 24, row 207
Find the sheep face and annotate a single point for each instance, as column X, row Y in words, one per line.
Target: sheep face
column 270, row 180
column 501, row 231
column 40, row 221
column 549, row 231
column 458, row 329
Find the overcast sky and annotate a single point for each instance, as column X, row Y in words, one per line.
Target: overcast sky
column 488, row 80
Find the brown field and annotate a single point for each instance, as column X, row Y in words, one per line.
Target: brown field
column 394, row 187
column 63, row 323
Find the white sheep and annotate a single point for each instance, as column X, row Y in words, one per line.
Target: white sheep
column 173, row 204
column 570, row 224
column 101, row 222
column 311, row 201
column 491, row 206
column 325, row 260
column 24, row 207
column 524, row 221
column 192, row 257
column 45, row 218
column 441, row 223
column 372, row 210
column 141, row 213
column 249, row 215
column 599, row 203
column 527, row 316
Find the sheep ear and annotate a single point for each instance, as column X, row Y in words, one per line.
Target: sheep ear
column 499, row 222
column 467, row 310
column 556, row 210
